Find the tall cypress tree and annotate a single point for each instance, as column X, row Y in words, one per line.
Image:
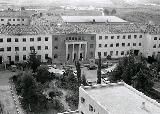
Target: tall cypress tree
column 99, row 69
column 78, row 68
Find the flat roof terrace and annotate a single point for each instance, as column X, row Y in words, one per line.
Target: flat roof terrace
column 123, row 99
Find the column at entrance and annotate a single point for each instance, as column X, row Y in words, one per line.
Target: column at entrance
column 85, row 51
column 66, row 51
column 79, row 51
column 73, row 52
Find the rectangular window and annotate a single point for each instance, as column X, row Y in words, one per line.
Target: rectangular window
column 8, row 39
column 24, row 48
column 24, row 40
column 123, row 44
column 39, row 39
column 100, row 45
column 91, row 45
column 8, row 48
column 105, row 53
column 18, row 19
column 111, row 53
column 155, row 38
column 116, row 52
column 128, row 44
column 16, row 57
column 159, row 46
column 154, row 46
column 46, row 56
column 90, row 108
column 105, row 45
column 24, row 57
column 13, row 19
column 46, row 47
column 135, row 36
column 39, row 47
column 140, row 36
column 92, row 37
column 46, row 38
column 1, row 39
column 122, row 52
column 111, row 45
column 22, row 19
column 2, row 19
column 118, row 37
column 56, row 39
column 124, row 36
column 9, row 19
column 140, row 44
column 99, row 53
column 106, row 37
column 134, row 44
column 1, row 49
column 31, row 39
column 91, row 54
column 117, row 44
column 82, row 100
column 16, row 39
column 16, row 48
column 129, row 36
column 112, row 37
column 55, row 47
column 100, row 37
column 31, row 47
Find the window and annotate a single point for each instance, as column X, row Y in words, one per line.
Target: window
column 105, row 45
column 100, row 45
column 46, row 47
column 129, row 36
column 82, row 100
column 39, row 47
column 90, row 108
column 16, row 39
column 13, row 19
column 118, row 37
column 99, row 53
column 116, row 52
column 154, row 46
column 73, row 38
column 79, row 38
column 24, row 57
column 46, row 56
column 134, row 44
column 24, row 48
column 124, row 36
column 55, row 47
column 9, row 19
column 111, row 45
column 112, row 37
column 91, row 54
column 128, row 44
column 39, row 39
column 1, row 49
column 31, row 39
column 16, row 48
column 100, row 37
column 140, row 44
column 24, row 39
column 32, row 48
column 106, row 37
column 56, row 38
column 18, row 19
column 16, row 58
column 111, row 53
column 123, row 44
column 159, row 46
column 46, row 38
column 140, row 36
column 91, row 45
column 8, row 48
column 55, row 56
column 117, row 44
column 69, row 38
column 76, row 38
column 155, row 38
column 1, row 40
column 92, row 37
column 2, row 19
column 105, row 53
column 135, row 36
column 122, row 52
column 22, row 19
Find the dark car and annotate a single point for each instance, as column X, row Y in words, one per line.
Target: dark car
column 92, row 67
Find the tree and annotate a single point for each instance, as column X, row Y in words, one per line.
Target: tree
column 78, row 68
column 99, row 69
column 33, row 60
column 113, row 12
column 106, row 11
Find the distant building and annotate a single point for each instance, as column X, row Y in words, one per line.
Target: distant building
column 115, row 98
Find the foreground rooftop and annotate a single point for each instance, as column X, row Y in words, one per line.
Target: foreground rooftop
column 122, row 99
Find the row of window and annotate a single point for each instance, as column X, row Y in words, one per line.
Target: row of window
column 24, row 39
column 117, row 45
column 90, row 106
column 118, row 37
column 155, row 46
column 116, row 53
column 25, row 57
column 75, row 38
column 155, row 38
column 24, row 48
column 13, row 19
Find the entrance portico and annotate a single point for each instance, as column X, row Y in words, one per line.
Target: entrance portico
column 77, row 50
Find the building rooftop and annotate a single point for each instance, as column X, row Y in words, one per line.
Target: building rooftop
column 97, row 19
column 122, row 99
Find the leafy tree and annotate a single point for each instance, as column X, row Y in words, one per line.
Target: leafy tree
column 106, row 11
column 78, row 68
column 55, row 93
column 99, row 70
column 113, row 12
column 33, row 60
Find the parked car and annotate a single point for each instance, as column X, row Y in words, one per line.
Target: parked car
column 92, row 67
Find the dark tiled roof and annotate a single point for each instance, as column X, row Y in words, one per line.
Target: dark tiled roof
column 152, row 29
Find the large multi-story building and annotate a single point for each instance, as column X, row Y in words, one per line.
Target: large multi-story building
column 115, row 98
